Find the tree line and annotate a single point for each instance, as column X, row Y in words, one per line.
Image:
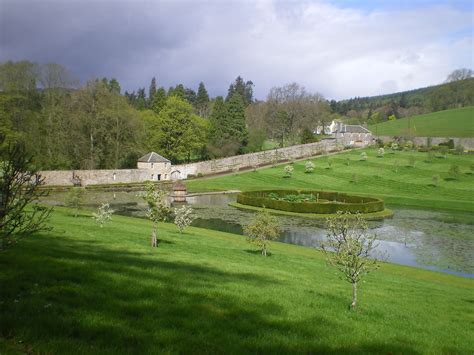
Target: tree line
column 65, row 125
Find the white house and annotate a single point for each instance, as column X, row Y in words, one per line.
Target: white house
column 159, row 167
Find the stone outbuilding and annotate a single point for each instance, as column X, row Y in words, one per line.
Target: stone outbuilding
column 159, row 167
column 352, row 135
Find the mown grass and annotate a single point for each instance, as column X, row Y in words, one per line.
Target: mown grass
column 449, row 123
column 391, row 178
column 83, row 289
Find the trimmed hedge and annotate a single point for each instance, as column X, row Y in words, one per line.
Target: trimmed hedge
column 337, row 202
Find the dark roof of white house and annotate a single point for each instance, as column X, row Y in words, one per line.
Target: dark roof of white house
column 153, row 157
column 348, row 128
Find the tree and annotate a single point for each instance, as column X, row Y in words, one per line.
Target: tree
column 152, row 91
column 20, row 213
column 236, row 119
column 202, row 101
column 309, row 167
column 183, row 217
column 307, row 136
column 158, row 208
column 351, row 249
column 159, row 100
column 74, row 199
column 103, row 214
column 459, row 74
column 244, row 89
column 262, row 230
column 288, row 171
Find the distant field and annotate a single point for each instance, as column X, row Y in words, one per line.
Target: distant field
column 450, row 123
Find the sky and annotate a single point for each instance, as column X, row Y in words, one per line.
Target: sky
column 339, row 48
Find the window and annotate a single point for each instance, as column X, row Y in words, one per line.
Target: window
column 114, row 176
column 152, row 165
column 158, row 177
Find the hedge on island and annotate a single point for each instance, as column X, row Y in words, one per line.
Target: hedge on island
column 327, row 202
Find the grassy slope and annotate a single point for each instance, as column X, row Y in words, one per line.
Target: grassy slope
column 376, row 176
column 448, row 123
column 93, row 290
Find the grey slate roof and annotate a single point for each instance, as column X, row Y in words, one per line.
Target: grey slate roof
column 354, row 129
column 153, row 157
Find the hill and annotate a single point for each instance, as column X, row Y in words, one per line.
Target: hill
column 106, row 291
column 449, row 123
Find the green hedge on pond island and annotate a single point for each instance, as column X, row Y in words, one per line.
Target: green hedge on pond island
column 331, row 202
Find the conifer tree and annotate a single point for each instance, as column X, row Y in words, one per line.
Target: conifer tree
column 202, row 101
column 159, row 100
column 151, row 91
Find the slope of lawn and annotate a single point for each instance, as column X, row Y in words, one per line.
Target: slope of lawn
column 449, row 123
column 408, row 186
column 85, row 289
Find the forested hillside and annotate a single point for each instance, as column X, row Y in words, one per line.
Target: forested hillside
column 66, row 125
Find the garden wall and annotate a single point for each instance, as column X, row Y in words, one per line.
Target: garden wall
column 467, row 143
column 235, row 163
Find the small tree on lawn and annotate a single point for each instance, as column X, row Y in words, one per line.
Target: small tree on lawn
column 363, row 156
column 348, row 160
column 454, row 172
column 103, row 215
column 329, row 163
column 183, row 217
column 351, row 249
column 262, row 230
column 396, row 165
column 380, row 153
column 309, row 167
column 411, row 161
column 19, row 188
column 288, row 170
column 394, row 146
column 158, row 209
column 435, row 179
column 74, row 199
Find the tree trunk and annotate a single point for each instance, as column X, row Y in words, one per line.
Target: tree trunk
column 354, row 295
column 154, row 241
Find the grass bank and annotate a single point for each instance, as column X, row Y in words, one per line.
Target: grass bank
column 449, row 123
column 391, row 178
column 84, row 289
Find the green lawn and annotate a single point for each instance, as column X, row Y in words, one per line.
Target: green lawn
column 449, row 123
column 83, row 289
column 410, row 186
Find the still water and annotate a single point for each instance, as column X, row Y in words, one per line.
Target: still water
column 436, row 240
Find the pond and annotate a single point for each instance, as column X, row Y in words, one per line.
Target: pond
column 430, row 239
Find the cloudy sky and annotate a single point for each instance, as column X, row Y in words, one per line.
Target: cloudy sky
column 340, row 48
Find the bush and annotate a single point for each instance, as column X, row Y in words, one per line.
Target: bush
column 363, row 156
column 408, row 145
column 288, row 170
column 326, row 202
column 449, row 144
column 454, row 172
column 309, row 167
column 380, row 153
column 394, row 146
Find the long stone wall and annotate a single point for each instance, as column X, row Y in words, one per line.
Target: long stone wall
column 235, row 163
column 467, row 143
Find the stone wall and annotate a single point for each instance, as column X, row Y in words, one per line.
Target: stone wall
column 467, row 143
column 235, row 163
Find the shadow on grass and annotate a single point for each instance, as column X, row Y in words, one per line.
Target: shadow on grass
column 62, row 295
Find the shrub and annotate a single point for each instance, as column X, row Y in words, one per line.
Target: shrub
column 199, row 175
column 348, row 160
column 262, row 230
column 380, row 153
column 288, row 171
column 363, row 156
column 183, row 217
column 454, row 172
column 408, row 145
column 103, row 214
column 329, row 163
column 394, row 146
column 309, row 167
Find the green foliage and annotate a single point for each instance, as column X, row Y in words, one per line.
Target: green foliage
column 202, row 101
column 363, row 156
column 74, row 199
column 380, row 153
column 454, row 172
column 158, row 100
column 309, row 167
column 262, row 230
column 351, row 249
column 288, row 171
column 307, row 136
column 392, row 118
column 20, row 213
column 241, row 88
column 319, row 202
column 103, row 215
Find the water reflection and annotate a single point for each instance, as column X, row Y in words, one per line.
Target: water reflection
column 429, row 239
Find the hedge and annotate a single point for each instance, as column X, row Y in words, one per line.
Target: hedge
column 338, row 202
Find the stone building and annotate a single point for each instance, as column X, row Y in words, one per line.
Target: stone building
column 352, row 135
column 158, row 167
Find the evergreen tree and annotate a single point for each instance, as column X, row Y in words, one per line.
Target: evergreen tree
column 159, row 100
column 190, row 96
column 217, row 120
column 177, row 91
column 244, row 89
column 236, row 119
column 141, row 99
column 202, row 101
column 114, row 86
column 151, row 91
